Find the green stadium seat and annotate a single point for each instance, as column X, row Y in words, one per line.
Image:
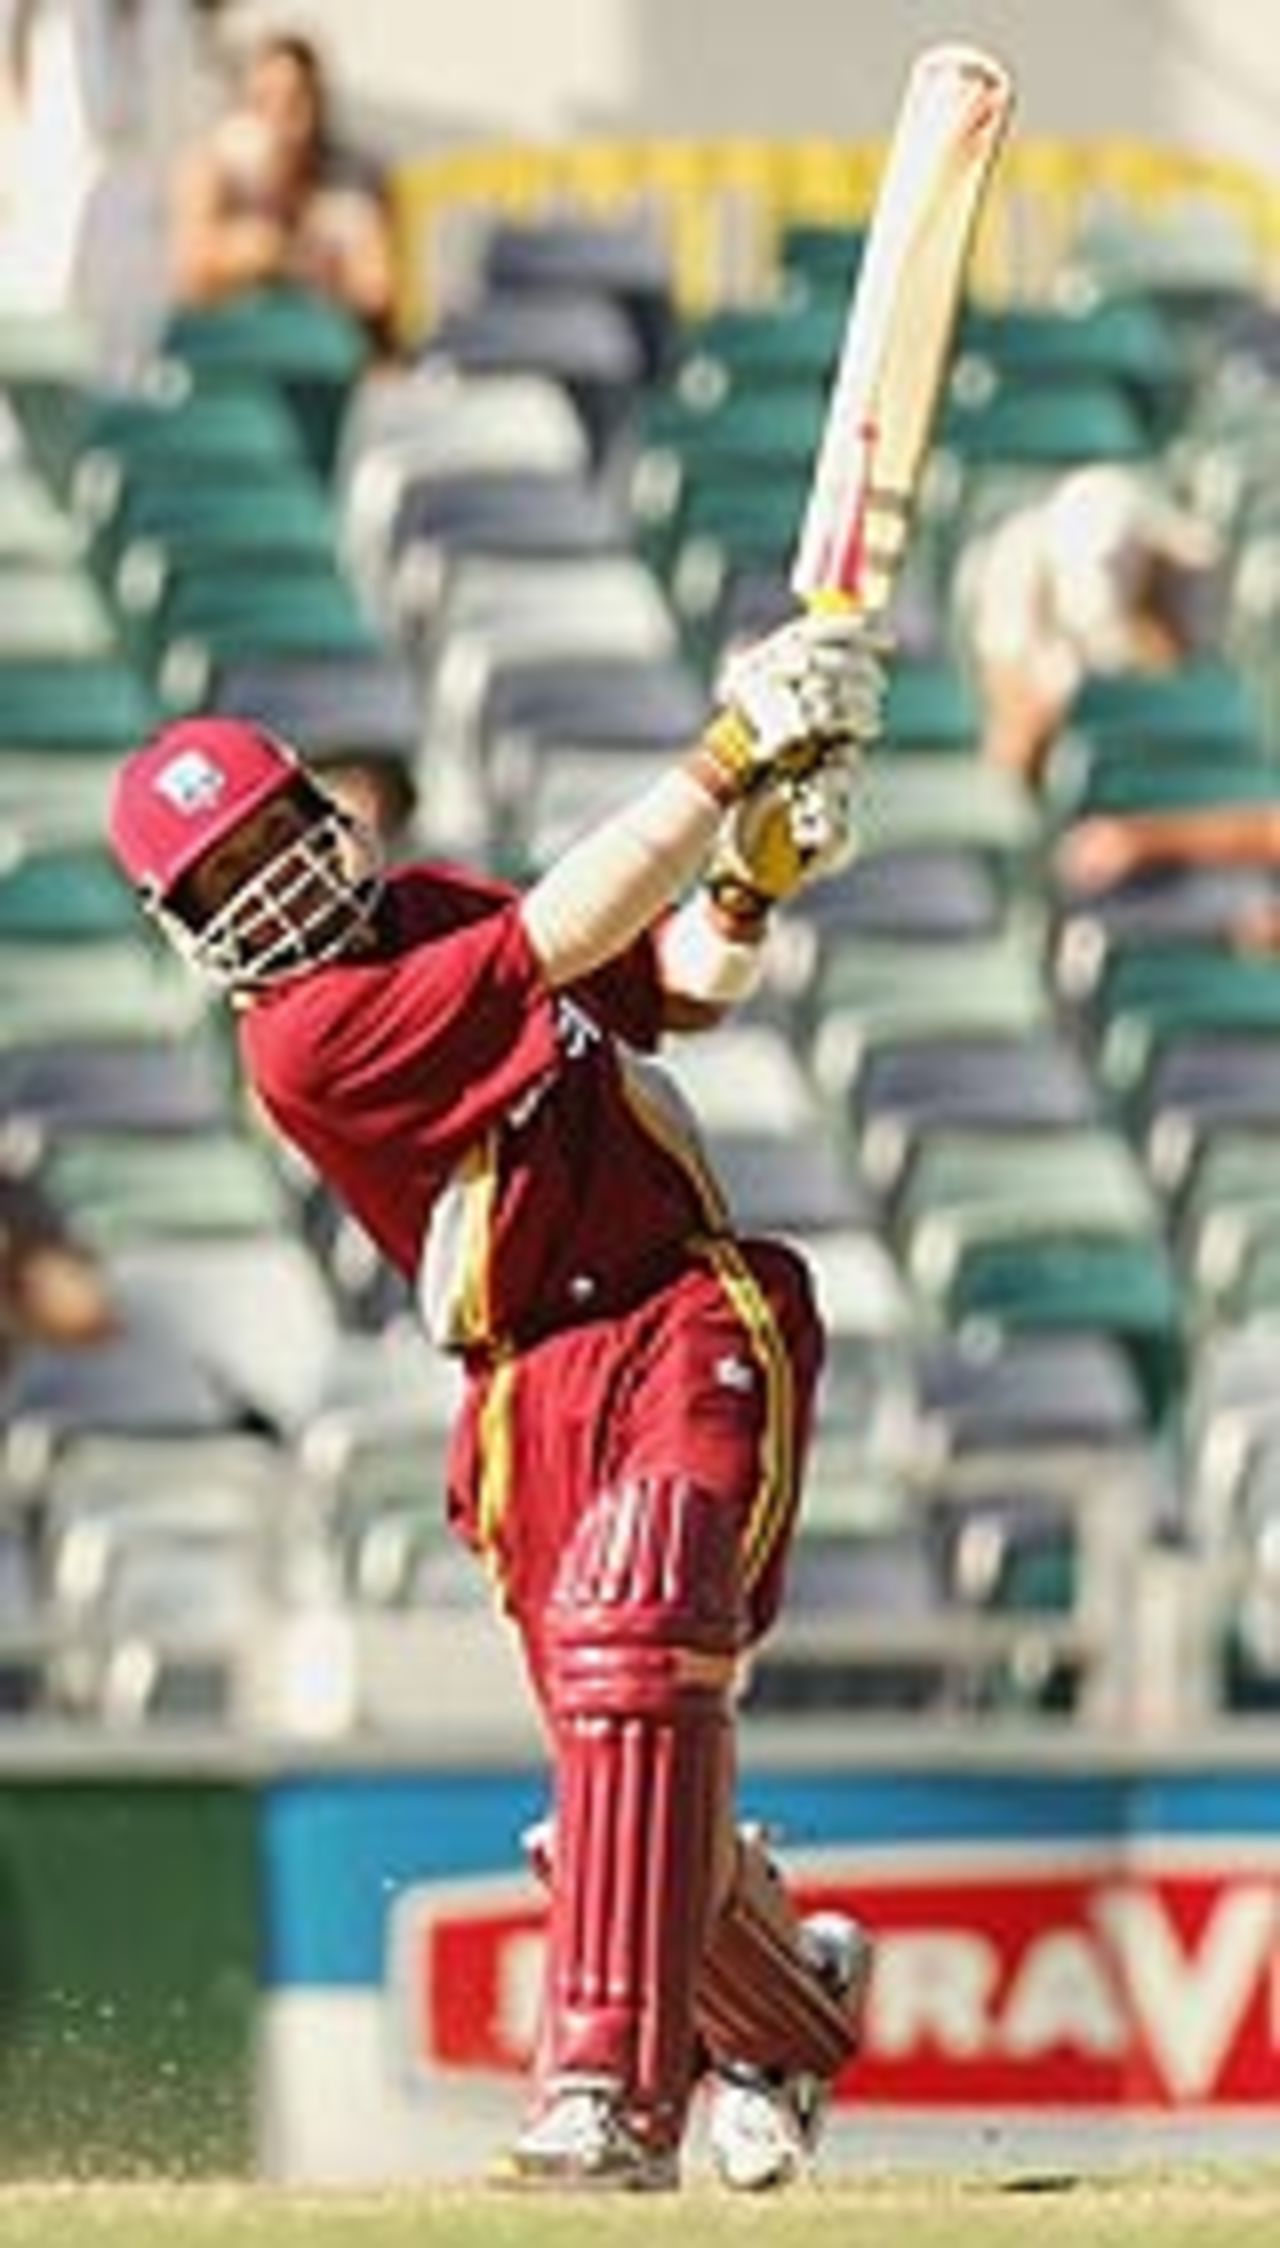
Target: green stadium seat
column 1041, row 425
column 1204, row 701
column 1149, row 995
column 1124, row 1288
column 237, row 614
column 282, row 512
column 98, row 703
column 55, row 797
column 1123, row 340
column 1085, row 776
column 1251, row 1289
column 208, row 431
column 751, row 346
column 1227, row 1213
column 72, row 895
column 747, row 438
column 293, row 339
column 821, row 258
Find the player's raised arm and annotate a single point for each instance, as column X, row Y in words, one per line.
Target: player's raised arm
column 814, row 682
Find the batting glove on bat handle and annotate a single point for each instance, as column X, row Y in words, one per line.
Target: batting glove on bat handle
column 793, row 828
column 818, row 679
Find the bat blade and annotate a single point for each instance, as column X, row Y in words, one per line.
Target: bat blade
column 897, row 342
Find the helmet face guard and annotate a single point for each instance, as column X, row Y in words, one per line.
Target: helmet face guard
column 302, row 907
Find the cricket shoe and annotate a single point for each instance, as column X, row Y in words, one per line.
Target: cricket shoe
column 763, row 2125
column 581, row 2143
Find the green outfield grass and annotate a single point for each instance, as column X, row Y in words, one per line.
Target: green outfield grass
column 1208, row 2208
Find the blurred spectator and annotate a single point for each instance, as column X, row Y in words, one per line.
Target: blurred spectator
column 52, row 1289
column 268, row 196
column 88, row 99
column 1101, row 574
column 1111, row 848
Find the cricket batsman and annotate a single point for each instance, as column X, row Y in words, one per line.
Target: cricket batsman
column 469, row 1067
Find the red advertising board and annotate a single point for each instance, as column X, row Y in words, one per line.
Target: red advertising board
column 1002, row 1978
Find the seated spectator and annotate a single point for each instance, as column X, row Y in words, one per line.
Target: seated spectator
column 268, row 197
column 52, row 1289
column 1102, row 574
column 1111, row 848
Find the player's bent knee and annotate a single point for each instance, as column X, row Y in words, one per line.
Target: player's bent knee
column 647, row 1607
column 759, row 1998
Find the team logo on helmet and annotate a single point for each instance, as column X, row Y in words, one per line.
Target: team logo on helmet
column 191, row 782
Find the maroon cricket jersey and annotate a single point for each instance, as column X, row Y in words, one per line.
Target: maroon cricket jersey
column 494, row 1137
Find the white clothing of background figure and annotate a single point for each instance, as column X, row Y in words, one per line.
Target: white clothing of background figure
column 94, row 98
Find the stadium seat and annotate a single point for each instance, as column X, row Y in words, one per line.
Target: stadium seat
column 866, row 996
column 930, row 705
column 100, row 703
column 201, row 433
column 1124, row 340
column 295, row 340
column 139, row 1382
column 34, row 528
column 56, row 995
column 781, row 1165
column 51, row 613
column 625, row 261
column 1149, row 995
column 1198, row 1084
column 526, row 513
column 329, row 703
column 235, row 615
column 905, row 1093
column 73, row 895
column 119, row 1186
column 419, row 425
column 237, row 606
column 1023, row 1390
column 631, row 703
column 141, row 1085
column 284, row 515
column 753, row 347
column 821, row 257
column 1124, row 1288
column 1027, row 424
column 578, row 336
column 746, row 438
column 914, row 799
column 966, row 1187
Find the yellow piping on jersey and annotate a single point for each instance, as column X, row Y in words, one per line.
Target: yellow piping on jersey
column 771, row 1506
column 479, row 1169
column 496, row 1437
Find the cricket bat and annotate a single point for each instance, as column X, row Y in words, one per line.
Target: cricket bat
column 897, row 342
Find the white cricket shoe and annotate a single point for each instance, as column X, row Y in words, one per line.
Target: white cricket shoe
column 763, row 2127
column 581, row 2142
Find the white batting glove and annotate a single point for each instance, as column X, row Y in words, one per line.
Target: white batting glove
column 816, row 680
